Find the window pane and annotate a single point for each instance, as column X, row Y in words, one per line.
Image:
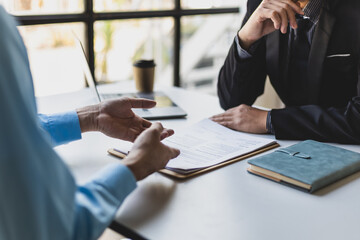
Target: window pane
column 121, row 42
column 205, row 43
column 54, row 57
column 209, row 3
column 132, row 5
column 34, row 7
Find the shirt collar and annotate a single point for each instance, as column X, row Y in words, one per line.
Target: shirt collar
column 312, row 10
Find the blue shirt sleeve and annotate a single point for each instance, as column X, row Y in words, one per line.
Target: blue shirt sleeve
column 97, row 201
column 39, row 196
column 62, row 127
column 242, row 53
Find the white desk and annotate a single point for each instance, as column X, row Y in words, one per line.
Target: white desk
column 227, row 203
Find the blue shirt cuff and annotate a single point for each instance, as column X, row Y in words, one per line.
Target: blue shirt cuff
column 62, row 127
column 117, row 179
column 243, row 54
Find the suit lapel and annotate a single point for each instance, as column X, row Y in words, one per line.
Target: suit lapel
column 318, row 53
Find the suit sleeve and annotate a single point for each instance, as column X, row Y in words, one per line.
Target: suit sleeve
column 339, row 125
column 327, row 124
column 241, row 81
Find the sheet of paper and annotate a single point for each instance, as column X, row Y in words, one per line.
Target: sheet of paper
column 207, row 143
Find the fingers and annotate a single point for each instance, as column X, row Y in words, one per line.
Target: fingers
column 224, row 119
column 157, row 128
column 275, row 18
column 228, row 124
column 281, row 13
column 221, row 117
column 157, row 131
column 173, row 152
column 294, row 6
column 166, row 133
column 289, row 12
column 146, row 123
column 141, row 103
column 163, row 132
column 217, row 116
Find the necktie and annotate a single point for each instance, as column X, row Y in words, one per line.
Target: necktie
column 298, row 65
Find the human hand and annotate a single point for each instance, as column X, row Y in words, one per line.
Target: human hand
column 148, row 154
column 270, row 15
column 243, row 118
column 114, row 118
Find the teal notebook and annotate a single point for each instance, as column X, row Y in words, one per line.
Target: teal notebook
column 308, row 165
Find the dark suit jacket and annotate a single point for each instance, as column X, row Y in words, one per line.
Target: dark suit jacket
column 332, row 109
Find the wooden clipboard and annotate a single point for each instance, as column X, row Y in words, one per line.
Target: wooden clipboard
column 177, row 175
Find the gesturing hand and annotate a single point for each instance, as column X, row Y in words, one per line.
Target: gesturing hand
column 148, row 154
column 268, row 17
column 114, row 118
column 243, row 118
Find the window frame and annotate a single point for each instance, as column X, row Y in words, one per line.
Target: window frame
column 89, row 17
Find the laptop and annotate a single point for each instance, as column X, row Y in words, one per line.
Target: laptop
column 165, row 108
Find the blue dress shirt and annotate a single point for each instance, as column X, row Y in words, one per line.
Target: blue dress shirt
column 61, row 127
column 39, row 198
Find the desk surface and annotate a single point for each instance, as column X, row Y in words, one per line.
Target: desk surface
column 227, row 203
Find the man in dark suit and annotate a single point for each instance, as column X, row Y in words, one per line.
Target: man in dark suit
column 310, row 50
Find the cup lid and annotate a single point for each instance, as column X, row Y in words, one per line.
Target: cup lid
column 144, row 63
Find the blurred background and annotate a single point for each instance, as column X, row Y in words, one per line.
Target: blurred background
column 204, row 39
column 189, row 40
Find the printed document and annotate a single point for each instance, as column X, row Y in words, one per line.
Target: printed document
column 207, row 143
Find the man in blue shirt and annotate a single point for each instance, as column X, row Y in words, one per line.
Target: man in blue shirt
column 39, row 198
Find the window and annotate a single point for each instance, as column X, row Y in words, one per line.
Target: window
column 209, row 3
column 199, row 69
column 132, row 5
column 38, row 7
column 119, row 43
column 53, row 57
column 188, row 39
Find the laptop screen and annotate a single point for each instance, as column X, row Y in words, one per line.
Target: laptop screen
column 85, row 66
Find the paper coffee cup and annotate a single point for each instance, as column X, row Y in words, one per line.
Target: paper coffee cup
column 144, row 73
